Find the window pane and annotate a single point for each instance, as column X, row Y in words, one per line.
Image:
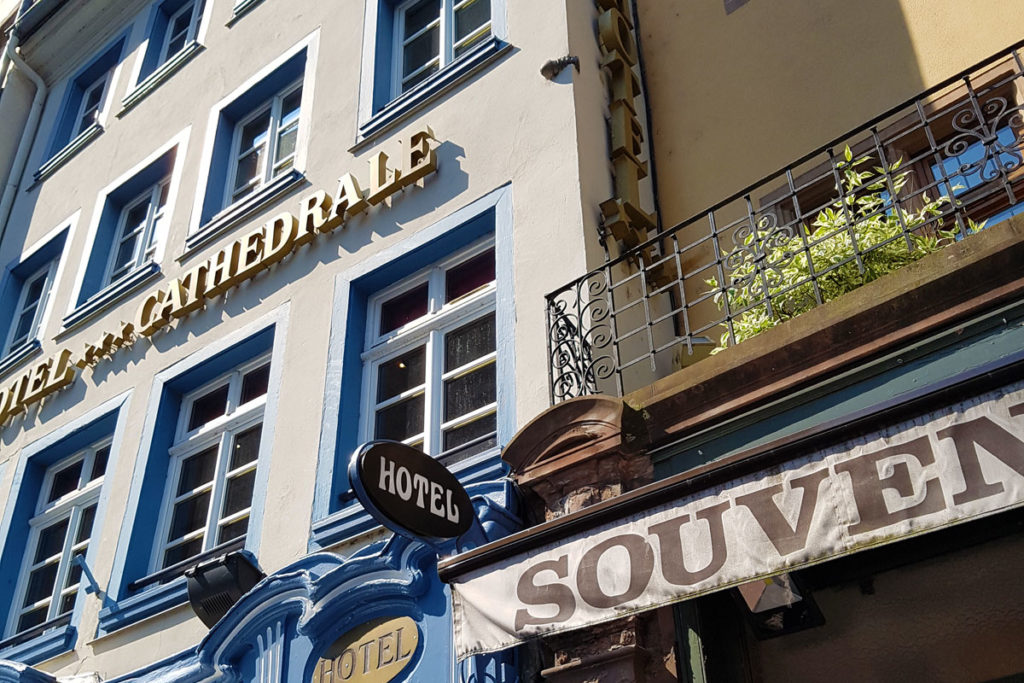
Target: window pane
column 40, row 584
column 290, row 107
column 232, row 531
column 51, row 541
column 35, row 291
column 189, row 515
column 99, row 463
column 24, row 328
column 402, row 420
column 254, row 384
column 467, row 434
column 401, row 374
column 208, row 407
column 67, row 603
column 403, row 309
column 65, row 481
column 472, row 274
column 254, row 133
column 285, row 145
column 182, row 552
column 125, row 255
column 469, row 392
column 471, row 16
column 32, row 619
column 85, row 524
column 246, row 447
column 420, row 15
column 197, row 470
column 468, row 343
column 421, row 50
column 248, row 171
column 74, row 576
column 422, row 76
column 239, row 493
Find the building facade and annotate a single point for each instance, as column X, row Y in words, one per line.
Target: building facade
column 240, row 238
column 715, row 311
column 785, row 441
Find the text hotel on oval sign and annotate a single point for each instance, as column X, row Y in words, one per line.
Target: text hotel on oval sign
column 954, row 464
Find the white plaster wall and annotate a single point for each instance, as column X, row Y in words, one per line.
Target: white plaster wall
column 505, row 126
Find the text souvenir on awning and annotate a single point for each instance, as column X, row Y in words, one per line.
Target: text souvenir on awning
column 959, row 463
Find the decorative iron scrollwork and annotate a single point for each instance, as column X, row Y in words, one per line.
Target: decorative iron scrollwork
column 1000, row 157
column 578, row 324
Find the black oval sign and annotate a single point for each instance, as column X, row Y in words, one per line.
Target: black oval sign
column 409, row 492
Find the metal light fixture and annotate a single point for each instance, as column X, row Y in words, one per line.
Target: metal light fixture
column 778, row 605
column 217, row 584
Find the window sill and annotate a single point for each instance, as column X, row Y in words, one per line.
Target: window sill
column 233, row 214
column 40, row 648
column 19, row 354
column 69, row 150
column 149, row 603
column 162, row 73
column 242, row 7
column 429, row 90
column 102, row 299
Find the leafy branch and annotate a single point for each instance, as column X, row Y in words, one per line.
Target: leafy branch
column 860, row 237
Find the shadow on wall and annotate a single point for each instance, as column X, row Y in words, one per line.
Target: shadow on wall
column 735, row 95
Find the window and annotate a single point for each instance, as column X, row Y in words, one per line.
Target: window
column 173, row 38
column 86, row 98
column 92, row 101
column 213, row 465
column 127, row 237
column 56, row 504
column 430, row 359
column 181, row 29
column 199, row 481
column 264, row 143
column 28, row 315
column 416, row 50
column 256, row 146
column 60, row 532
column 26, row 294
column 432, row 34
column 135, row 240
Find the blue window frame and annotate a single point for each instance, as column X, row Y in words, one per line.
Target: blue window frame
column 174, row 30
column 414, row 328
column 56, row 506
column 131, row 226
column 26, row 294
column 200, row 479
column 414, row 50
column 173, row 37
column 257, row 140
column 86, row 99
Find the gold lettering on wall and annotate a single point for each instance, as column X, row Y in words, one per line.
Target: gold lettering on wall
column 244, row 258
column 374, row 652
column 623, row 216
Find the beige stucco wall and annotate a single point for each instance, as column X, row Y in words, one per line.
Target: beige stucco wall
column 735, row 97
column 506, row 126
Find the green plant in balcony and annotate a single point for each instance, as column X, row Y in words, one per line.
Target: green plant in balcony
column 771, row 270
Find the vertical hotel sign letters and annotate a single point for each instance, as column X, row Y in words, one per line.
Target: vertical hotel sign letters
column 241, row 260
column 623, row 217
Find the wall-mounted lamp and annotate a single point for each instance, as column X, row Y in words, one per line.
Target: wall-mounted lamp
column 217, row 584
column 778, row 605
column 553, row 67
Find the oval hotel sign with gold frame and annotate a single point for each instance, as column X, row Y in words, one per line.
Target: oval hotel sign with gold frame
column 374, row 652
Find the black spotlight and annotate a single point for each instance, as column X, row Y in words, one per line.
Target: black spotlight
column 217, row 584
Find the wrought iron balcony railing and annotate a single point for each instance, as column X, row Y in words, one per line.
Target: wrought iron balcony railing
column 931, row 171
